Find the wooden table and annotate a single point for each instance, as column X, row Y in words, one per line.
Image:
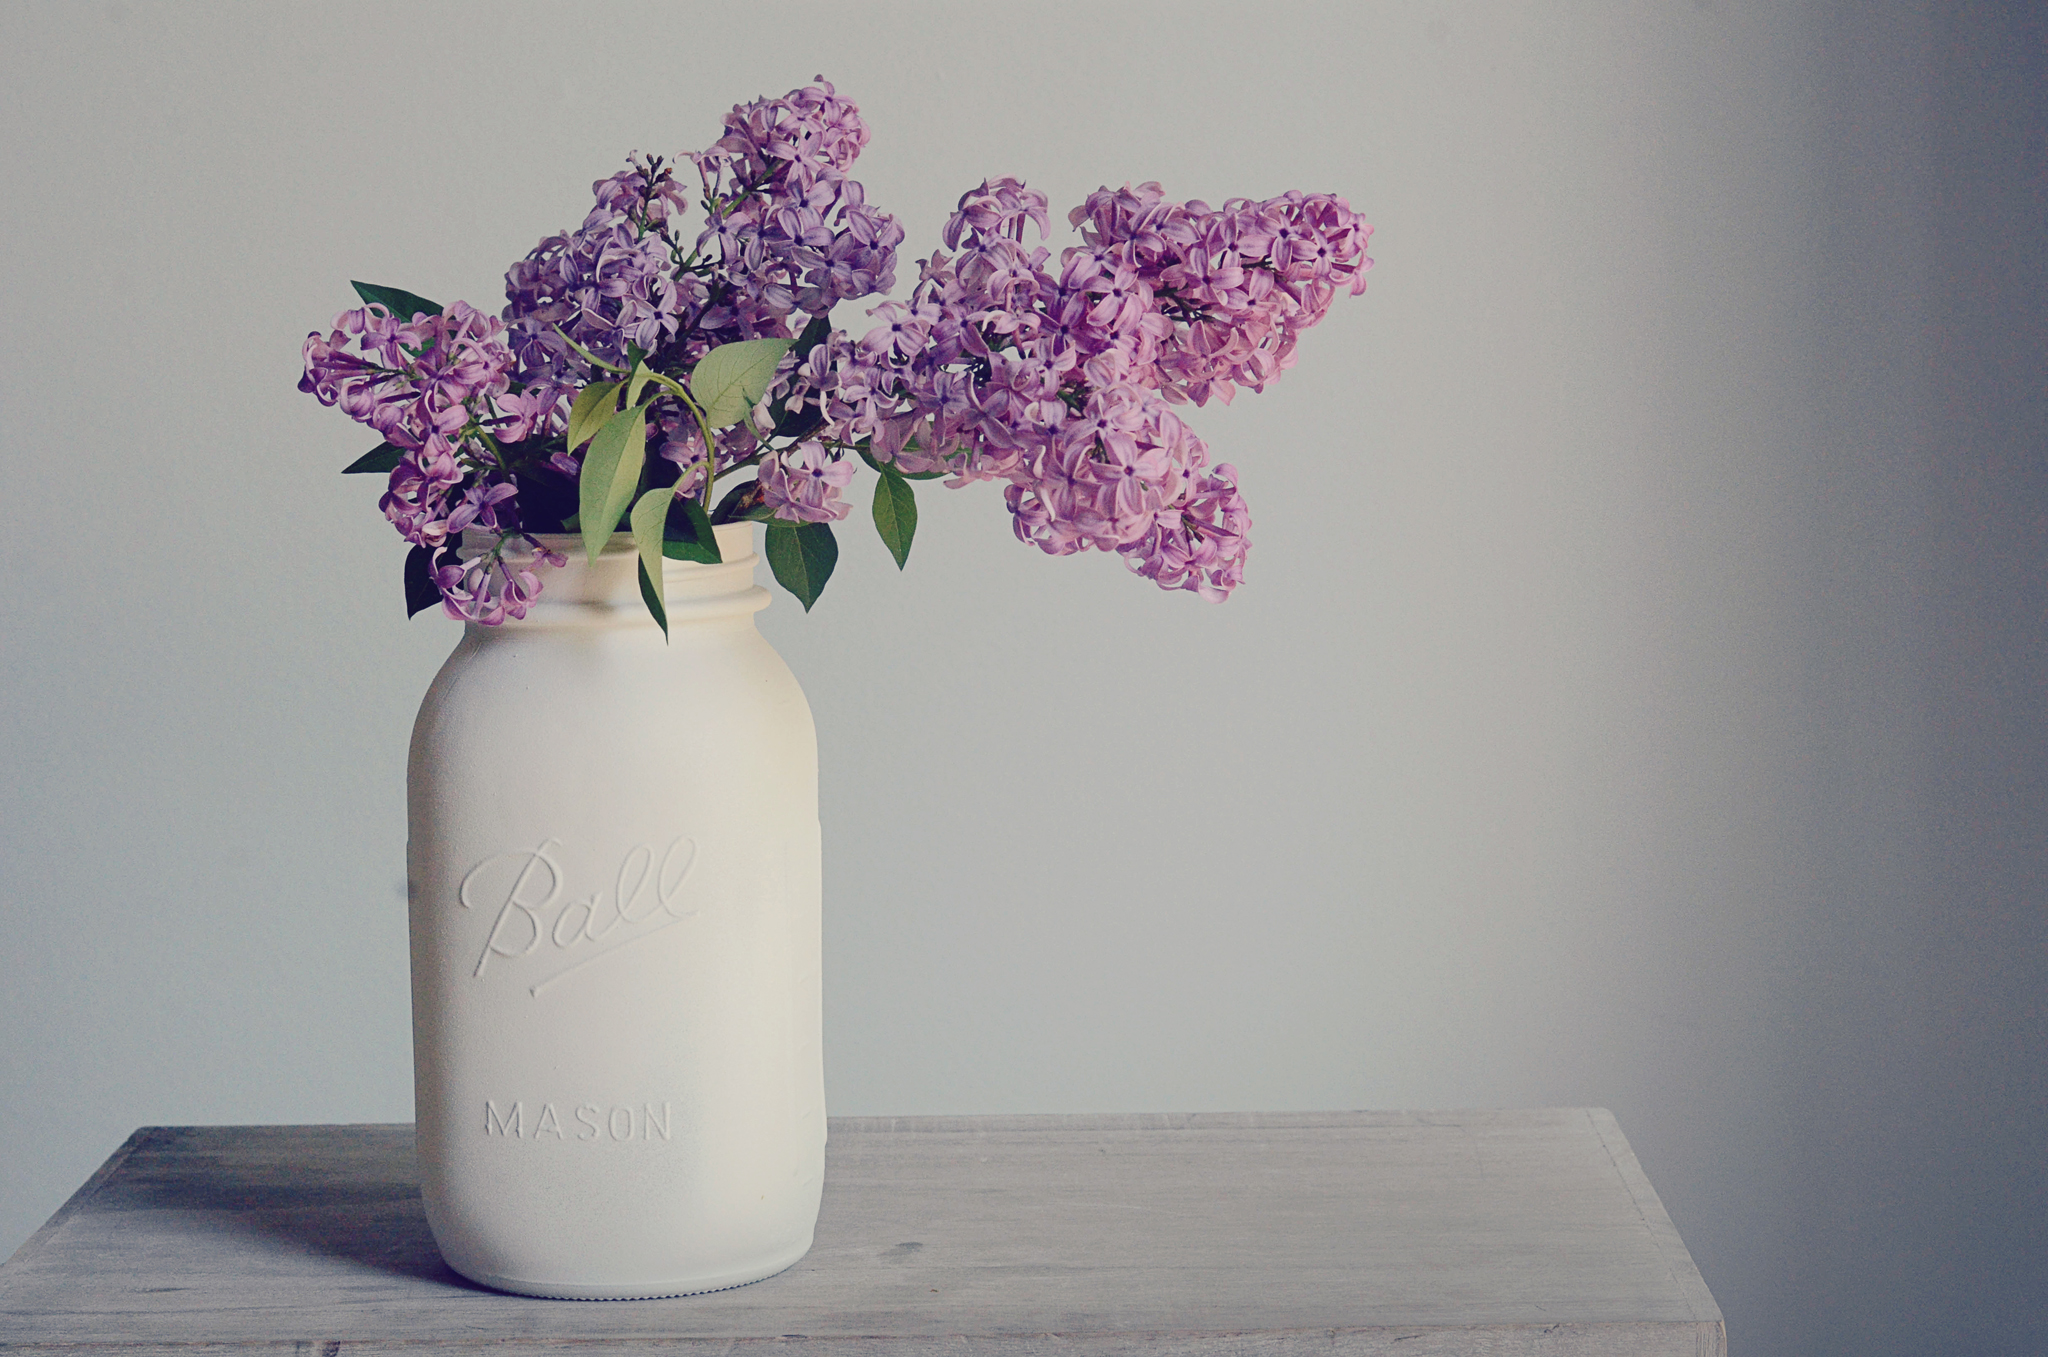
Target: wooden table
column 1417, row 1233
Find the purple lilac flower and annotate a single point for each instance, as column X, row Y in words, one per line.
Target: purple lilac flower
column 410, row 379
column 609, row 284
column 802, row 484
column 1238, row 284
column 489, row 588
column 786, row 231
column 437, row 387
column 786, row 234
column 999, row 369
column 1057, row 381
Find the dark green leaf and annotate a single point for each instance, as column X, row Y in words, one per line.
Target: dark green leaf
column 813, row 335
column 802, row 556
column 421, row 592
column 728, row 505
column 801, row 423
column 382, row 458
column 895, row 513
column 611, row 472
column 728, row 380
column 651, row 596
column 808, row 417
column 689, row 536
column 402, row 304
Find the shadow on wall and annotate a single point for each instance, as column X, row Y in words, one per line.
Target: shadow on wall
column 1922, row 1023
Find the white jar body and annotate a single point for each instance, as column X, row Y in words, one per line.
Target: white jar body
column 614, row 876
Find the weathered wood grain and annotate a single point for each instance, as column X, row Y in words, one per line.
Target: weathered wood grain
column 1489, row 1232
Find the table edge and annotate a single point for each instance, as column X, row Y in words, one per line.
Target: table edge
column 86, row 1191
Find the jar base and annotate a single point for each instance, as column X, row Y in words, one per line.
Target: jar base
column 662, row 1290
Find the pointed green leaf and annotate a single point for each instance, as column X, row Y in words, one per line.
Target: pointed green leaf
column 421, row 592
column 402, row 304
column 650, row 518
column 383, row 458
column 611, row 471
column 650, row 594
column 689, row 536
column 592, row 409
column 802, row 556
column 728, row 380
column 895, row 513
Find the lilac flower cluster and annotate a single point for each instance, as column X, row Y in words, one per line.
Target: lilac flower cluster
column 608, row 284
column 789, row 230
column 1057, row 379
column 1236, row 285
column 437, row 387
column 786, row 231
column 410, row 379
column 998, row 368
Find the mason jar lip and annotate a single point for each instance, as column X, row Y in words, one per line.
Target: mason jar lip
column 570, row 544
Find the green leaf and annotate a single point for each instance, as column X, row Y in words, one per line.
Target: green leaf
column 689, row 536
column 650, row 594
column 574, row 522
column 650, row 519
column 611, row 470
column 802, row 556
column 382, row 458
column 593, row 408
column 421, row 592
column 641, row 377
column 402, row 304
column 728, row 380
column 895, row 513
column 588, row 356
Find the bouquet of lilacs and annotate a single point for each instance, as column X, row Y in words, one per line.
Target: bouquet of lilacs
column 639, row 367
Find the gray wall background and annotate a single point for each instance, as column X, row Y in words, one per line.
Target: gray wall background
column 1637, row 701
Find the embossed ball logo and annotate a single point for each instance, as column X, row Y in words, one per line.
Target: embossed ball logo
column 535, row 909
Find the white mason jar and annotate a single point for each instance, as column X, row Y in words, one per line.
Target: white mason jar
column 614, row 883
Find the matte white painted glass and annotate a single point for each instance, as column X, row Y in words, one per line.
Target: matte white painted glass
column 614, row 884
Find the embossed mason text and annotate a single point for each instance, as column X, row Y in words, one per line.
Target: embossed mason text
column 593, row 1122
